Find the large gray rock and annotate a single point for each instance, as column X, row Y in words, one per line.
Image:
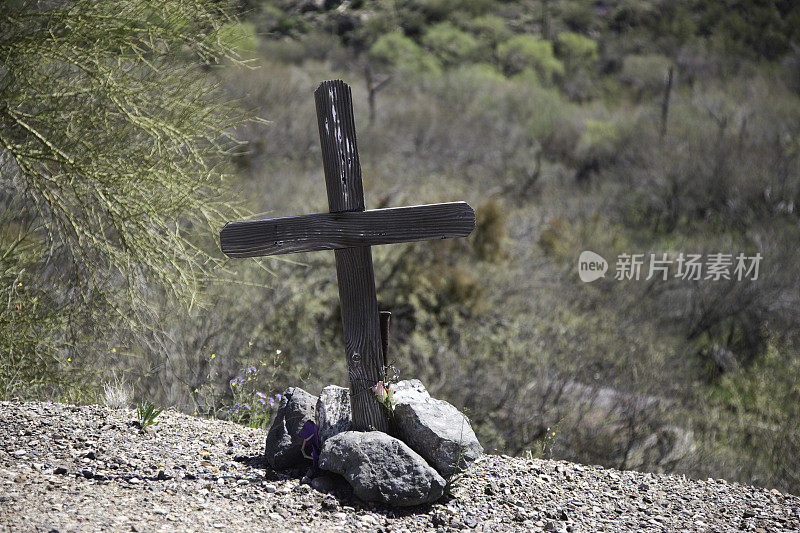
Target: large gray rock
column 409, row 390
column 283, row 449
column 333, row 414
column 435, row 429
column 381, row 468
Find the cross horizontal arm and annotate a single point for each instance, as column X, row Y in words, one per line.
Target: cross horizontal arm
column 330, row 231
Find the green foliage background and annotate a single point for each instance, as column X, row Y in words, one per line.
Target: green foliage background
column 553, row 118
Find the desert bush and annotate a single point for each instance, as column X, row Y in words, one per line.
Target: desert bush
column 718, row 164
column 598, row 141
column 630, row 14
column 577, row 15
column 415, row 17
column 750, row 29
column 647, row 74
column 449, row 44
column 579, row 54
column 490, row 234
column 763, row 402
column 490, row 30
column 576, row 50
column 548, row 117
column 117, row 394
column 527, row 52
column 397, row 51
column 270, row 18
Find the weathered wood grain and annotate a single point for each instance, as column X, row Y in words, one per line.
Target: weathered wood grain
column 337, row 134
column 329, row 231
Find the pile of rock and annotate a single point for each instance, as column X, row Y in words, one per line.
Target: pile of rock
column 436, row 442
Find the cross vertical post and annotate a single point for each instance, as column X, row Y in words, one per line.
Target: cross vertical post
column 362, row 337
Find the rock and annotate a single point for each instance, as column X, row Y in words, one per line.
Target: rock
column 330, row 504
column 302, row 489
column 440, row 519
column 333, row 414
column 435, row 429
column 283, row 440
column 328, row 483
column 409, row 390
column 381, row 468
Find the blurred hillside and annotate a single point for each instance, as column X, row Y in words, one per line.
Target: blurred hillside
column 619, row 127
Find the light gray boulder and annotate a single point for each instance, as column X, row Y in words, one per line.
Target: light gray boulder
column 283, row 448
column 333, row 414
column 435, row 429
column 409, row 390
column 381, row 468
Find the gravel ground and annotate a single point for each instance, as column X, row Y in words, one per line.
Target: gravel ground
column 91, row 468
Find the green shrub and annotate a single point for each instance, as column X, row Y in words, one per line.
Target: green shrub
column 398, row 51
column 490, row 30
column 765, row 398
column 525, row 51
column 423, row 12
column 545, row 113
column 599, row 136
column 473, row 85
column 645, row 73
column 451, row 45
column 282, row 23
column 578, row 15
column 416, row 16
column 491, row 233
column 576, row 50
column 632, row 13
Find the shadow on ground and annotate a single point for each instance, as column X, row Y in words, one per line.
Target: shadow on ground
column 333, row 486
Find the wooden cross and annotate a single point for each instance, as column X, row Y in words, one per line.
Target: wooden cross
column 349, row 230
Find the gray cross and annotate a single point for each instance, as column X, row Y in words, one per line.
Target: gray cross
column 349, row 230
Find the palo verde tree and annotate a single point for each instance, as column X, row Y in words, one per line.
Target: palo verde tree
column 111, row 132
